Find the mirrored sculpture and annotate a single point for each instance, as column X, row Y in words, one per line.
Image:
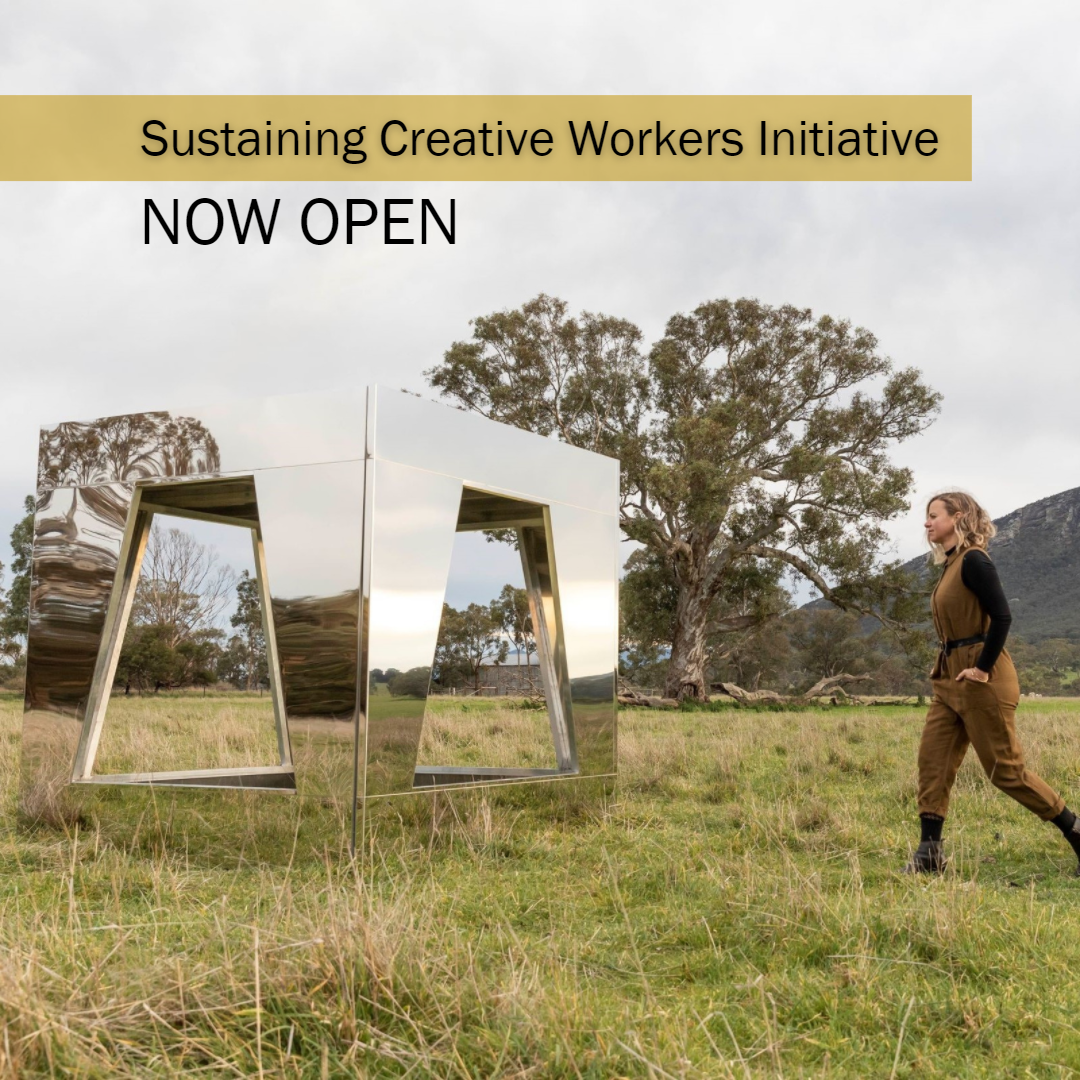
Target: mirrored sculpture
column 352, row 503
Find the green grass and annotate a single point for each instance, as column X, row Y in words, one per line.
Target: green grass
column 187, row 731
column 732, row 910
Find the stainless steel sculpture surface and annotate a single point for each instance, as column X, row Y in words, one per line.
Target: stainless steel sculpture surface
column 352, row 502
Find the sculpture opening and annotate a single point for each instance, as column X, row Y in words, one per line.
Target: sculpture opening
column 160, row 623
column 487, row 704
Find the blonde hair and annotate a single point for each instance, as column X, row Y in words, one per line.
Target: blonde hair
column 973, row 527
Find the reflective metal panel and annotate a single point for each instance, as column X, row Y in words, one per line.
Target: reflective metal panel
column 116, row 618
column 452, row 722
column 414, row 516
column 311, row 521
column 229, row 501
column 290, row 430
column 537, row 563
column 78, row 535
column 493, row 456
column 128, row 448
column 586, row 548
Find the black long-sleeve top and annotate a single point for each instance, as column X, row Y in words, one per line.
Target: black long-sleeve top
column 980, row 575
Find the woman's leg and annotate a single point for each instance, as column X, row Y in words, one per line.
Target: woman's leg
column 941, row 750
column 991, row 725
column 993, row 734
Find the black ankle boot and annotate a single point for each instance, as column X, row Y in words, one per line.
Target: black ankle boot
column 1073, row 836
column 929, row 858
column 1069, row 824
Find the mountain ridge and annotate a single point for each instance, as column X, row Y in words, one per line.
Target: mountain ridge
column 1037, row 555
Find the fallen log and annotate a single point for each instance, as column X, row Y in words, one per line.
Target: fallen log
column 746, row 697
column 831, row 682
column 628, row 699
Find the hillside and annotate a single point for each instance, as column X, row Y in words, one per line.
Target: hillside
column 1037, row 553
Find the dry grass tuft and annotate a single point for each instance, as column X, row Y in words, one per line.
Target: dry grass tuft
column 52, row 805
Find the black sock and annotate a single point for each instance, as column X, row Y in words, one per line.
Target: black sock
column 931, row 827
column 1065, row 821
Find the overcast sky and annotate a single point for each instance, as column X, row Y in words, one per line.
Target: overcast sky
column 974, row 283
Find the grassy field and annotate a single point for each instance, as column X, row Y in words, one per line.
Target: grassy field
column 187, row 731
column 732, row 910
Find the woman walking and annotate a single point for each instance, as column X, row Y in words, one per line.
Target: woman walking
column 975, row 686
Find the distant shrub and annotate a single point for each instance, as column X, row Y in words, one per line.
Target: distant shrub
column 411, row 683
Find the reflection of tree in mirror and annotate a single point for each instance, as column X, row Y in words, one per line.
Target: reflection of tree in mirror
column 172, row 638
column 244, row 662
column 128, row 448
column 514, row 616
column 468, row 640
column 76, row 536
column 411, row 683
column 182, row 585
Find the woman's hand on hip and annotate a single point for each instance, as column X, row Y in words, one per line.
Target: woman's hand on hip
column 973, row 674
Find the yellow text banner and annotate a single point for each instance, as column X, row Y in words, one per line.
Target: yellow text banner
column 911, row 137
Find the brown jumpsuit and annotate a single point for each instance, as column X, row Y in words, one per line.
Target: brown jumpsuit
column 982, row 714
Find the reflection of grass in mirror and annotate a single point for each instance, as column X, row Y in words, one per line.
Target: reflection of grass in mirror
column 166, row 732
column 486, row 732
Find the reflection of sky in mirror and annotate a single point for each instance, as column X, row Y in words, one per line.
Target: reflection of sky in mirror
column 414, row 517
column 479, row 570
column 495, row 457
column 294, row 429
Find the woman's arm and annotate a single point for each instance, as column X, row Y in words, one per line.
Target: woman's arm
column 980, row 575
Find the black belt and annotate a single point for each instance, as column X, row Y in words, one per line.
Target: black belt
column 948, row 646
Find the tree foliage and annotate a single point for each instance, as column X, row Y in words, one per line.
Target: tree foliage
column 468, row 640
column 182, row 586
column 149, row 661
column 173, row 639
column 15, row 611
column 1049, row 666
column 748, row 435
column 511, row 611
column 246, row 665
column 411, row 683
column 129, row 447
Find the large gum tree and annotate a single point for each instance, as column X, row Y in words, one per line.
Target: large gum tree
column 749, row 435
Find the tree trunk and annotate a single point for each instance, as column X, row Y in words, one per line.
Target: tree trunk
column 686, row 668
